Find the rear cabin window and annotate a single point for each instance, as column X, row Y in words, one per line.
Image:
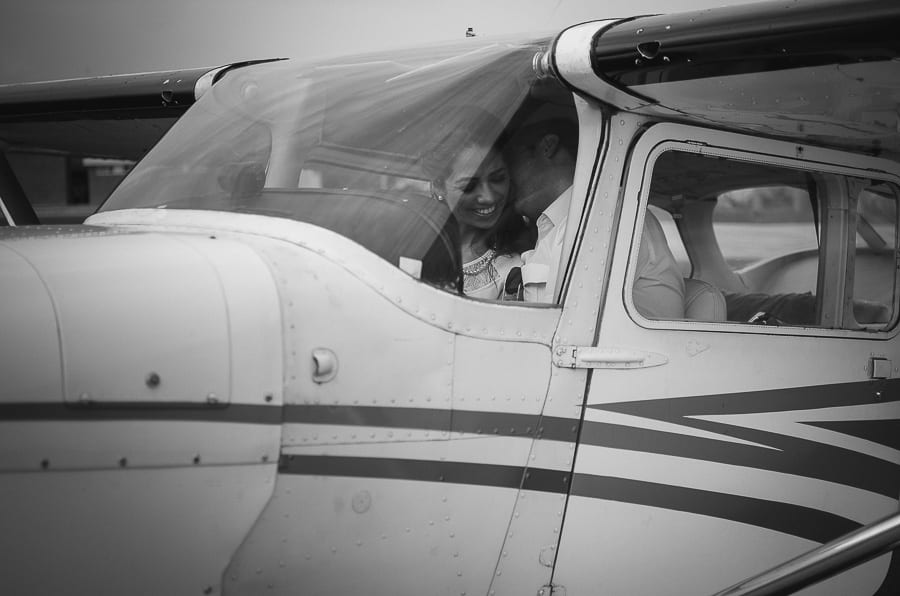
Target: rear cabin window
column 766, row 244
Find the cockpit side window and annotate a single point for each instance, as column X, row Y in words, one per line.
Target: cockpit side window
column 772, row 244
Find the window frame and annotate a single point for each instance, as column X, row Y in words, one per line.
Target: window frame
column 831, row 164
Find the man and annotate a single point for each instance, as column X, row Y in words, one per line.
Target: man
column 541, row 157
column 541, row 161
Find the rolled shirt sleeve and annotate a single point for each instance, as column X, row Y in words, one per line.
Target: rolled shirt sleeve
column 658, row 291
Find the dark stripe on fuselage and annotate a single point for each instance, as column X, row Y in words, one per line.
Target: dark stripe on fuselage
column 782, row 453
column 789, row 455
column 413, row 418
column 171, row 411
column 788, row 399
column 427, row 471
column 796, row 520
column 811, row 524
column 883, row 432
column 467, row 421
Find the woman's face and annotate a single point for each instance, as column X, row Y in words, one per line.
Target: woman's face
column 478, row 186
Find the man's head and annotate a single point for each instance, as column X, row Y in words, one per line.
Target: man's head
column 541, row 156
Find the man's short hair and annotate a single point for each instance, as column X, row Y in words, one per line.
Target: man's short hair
column 535, row 120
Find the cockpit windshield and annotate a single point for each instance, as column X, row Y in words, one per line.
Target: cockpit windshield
column 360, row 146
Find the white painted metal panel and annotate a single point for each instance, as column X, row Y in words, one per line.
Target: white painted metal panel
column 498, row 376
column 137, row 532
column 339, row 536
column 660, row 545
column 253, row 308
column 120, row 442
column 132, row 305
column 135, row 491
column 336, row 296
column 30, row 362
column 432, row 306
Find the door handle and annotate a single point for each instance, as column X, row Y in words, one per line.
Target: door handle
column 597, row 357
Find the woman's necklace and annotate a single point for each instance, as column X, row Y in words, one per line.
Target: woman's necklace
column 480, row 273
column 480, row 264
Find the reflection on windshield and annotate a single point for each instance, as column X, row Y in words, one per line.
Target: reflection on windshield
column 342, row 145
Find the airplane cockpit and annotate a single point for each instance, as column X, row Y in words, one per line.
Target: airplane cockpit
column 344, row 146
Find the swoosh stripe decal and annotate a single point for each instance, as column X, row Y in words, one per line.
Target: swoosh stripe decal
column 515, row 477
column 790, row 455
column 811, row 524
column 765, row 401
column 883, row 432
column 172, row 411
column 817, row 460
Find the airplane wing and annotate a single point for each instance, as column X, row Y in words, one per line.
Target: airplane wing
column 117, row 116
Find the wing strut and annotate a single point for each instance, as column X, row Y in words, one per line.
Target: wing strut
column 16, row 208
column 852, row 549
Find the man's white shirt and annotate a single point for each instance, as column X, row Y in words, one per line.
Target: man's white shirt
column 658, row 290
column 541, row 265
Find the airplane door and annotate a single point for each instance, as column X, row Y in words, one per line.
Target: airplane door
column 762, row 421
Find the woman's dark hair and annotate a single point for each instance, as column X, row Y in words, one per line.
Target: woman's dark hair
column 441, row 264
column 458, row 127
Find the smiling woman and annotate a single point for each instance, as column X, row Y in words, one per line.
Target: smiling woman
column 469, row 172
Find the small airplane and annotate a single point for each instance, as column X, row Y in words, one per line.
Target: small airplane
column 256, row 368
